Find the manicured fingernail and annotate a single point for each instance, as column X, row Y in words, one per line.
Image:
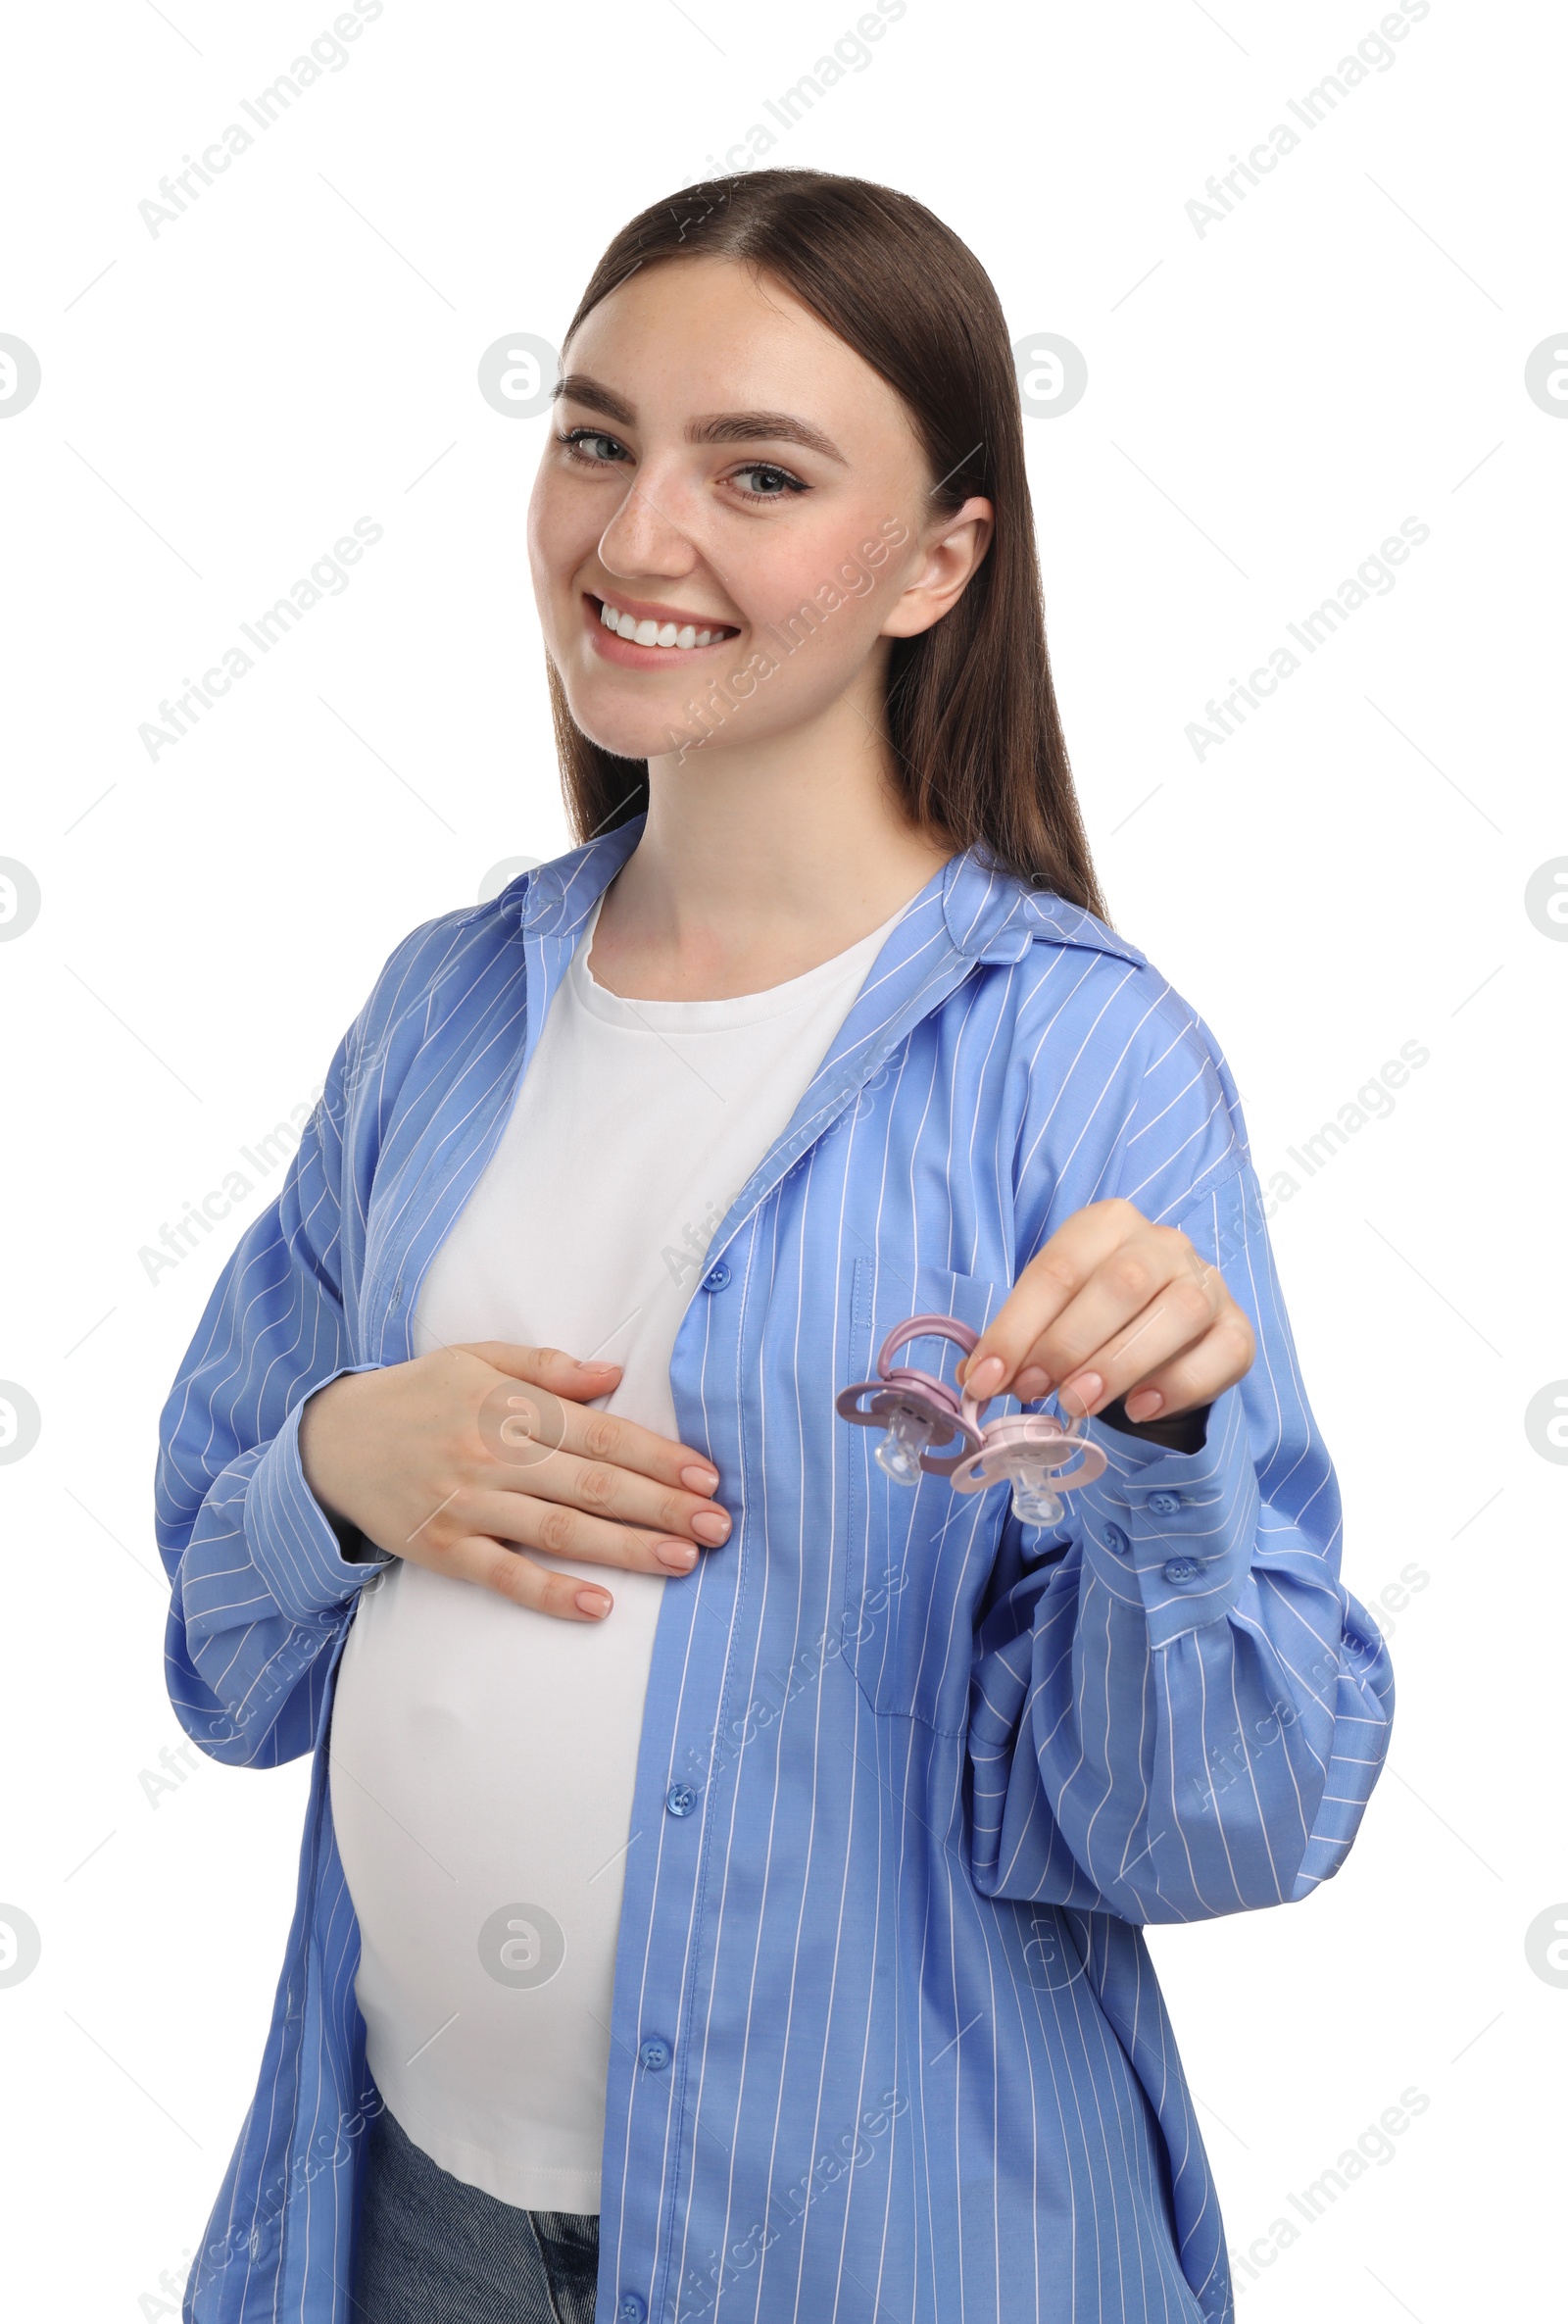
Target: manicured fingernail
column 712, row 1525
column 679, row 1556
column 982, row 1378
column 595, row 1602
column 698, row 1479
column 1082, row 1393
column 1145, row 1404
column 1031, row 1383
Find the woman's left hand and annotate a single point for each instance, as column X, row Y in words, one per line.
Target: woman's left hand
column 1112, row 1305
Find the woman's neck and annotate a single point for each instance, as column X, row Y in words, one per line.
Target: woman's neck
column 756, row 864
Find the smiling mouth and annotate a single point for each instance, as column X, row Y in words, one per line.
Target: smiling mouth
column 679, row 637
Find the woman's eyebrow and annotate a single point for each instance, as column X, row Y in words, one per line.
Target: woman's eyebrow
column 719, row 427
column 597, row 398
column 763, row 427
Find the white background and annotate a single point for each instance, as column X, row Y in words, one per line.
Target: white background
column 1266, row 402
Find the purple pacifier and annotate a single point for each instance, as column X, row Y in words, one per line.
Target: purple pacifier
column 1041, row 1455
column 917, row 1411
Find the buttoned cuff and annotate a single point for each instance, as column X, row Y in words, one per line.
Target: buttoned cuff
column 293, row 1544
column 1173, row 1532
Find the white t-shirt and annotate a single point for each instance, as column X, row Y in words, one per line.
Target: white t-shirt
column 483, row 1756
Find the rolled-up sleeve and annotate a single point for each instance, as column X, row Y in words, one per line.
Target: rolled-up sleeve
column 1177, row 1709
column 260, row 1583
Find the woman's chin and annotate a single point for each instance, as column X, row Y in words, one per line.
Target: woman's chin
column 636, row 735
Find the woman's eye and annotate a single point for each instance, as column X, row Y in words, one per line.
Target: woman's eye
column 760, row 480
column 771, row 483
column 576, row 439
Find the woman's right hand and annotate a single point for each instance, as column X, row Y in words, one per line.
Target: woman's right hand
column 458, row 1460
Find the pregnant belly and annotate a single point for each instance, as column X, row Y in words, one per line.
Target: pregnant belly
column 482, row 1763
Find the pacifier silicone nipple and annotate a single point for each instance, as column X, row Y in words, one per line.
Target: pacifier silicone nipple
column 1033, row 1501
column 898, row 1456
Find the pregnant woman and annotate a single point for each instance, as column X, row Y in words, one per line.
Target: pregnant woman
column 723, row 1879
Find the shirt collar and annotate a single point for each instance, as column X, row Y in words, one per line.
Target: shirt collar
column 555, row 899
column 990, row 915
column 994, row 915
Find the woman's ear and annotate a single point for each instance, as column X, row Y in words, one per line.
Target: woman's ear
column 948, row 560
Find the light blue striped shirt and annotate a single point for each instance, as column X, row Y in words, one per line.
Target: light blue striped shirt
column 912, row 1774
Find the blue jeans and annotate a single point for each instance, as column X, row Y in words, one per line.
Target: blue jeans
column 432, row 2249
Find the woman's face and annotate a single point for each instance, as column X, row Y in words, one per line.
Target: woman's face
column 721, row 463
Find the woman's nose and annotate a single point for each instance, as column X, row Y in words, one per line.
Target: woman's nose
column 645, row 536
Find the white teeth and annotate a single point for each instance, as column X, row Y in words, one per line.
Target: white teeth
column 654, row 634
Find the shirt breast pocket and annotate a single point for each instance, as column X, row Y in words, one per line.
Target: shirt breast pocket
column 916, row 1559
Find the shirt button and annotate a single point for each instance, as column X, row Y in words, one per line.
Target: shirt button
column 1116, row 1540
column 655, row 2054
column 717, row 1276
column 1179, row 1569
column 631, row 2309
column 680, row 1798
column 1164, row 1504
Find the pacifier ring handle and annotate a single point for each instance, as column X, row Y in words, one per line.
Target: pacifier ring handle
column 1059, row 1446
column 1069, row 1462
column 1070, row 1425
column 916, row 1327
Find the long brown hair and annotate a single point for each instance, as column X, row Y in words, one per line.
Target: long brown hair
column 977, row 745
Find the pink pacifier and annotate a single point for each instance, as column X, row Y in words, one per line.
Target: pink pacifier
column 1041, row 1455
column 1037, row 1452
column 917, row 1411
